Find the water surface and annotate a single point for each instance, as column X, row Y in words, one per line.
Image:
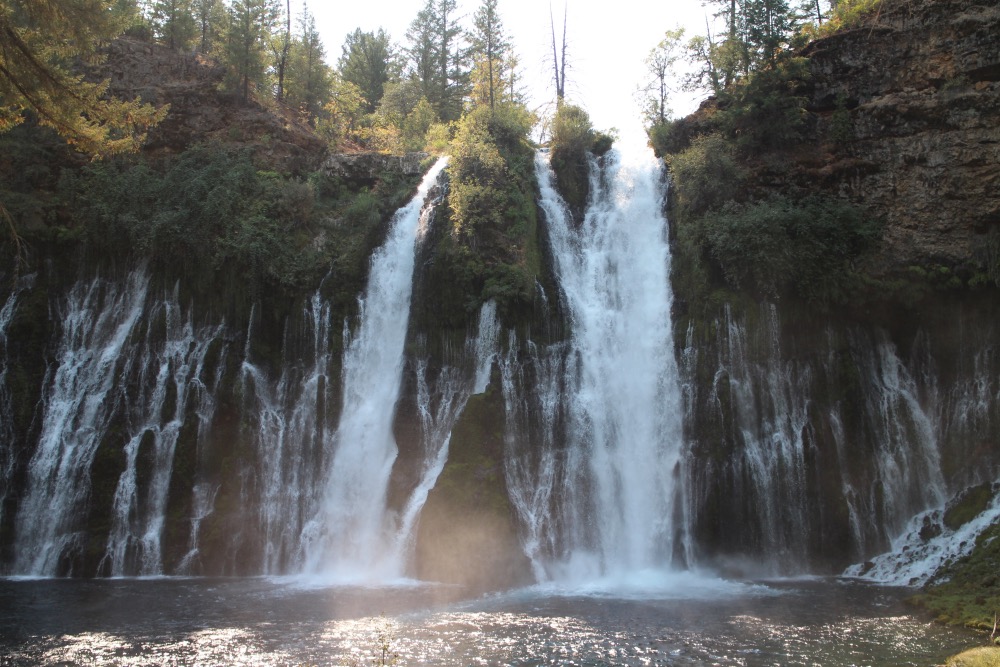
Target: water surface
column 267, row 621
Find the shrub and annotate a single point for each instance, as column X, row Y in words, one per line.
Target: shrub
column 806, row 248
column 705, row 176
column 767, row 109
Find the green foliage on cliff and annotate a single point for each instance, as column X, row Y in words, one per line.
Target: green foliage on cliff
column 489, row 248
column 967, row 591
column 780, row 246
column 207, row 208
column 573, row 139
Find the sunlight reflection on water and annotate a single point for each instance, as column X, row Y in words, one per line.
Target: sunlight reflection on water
column 271, row 622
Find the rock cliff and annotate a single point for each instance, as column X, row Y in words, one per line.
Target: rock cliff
column 921, row 83
column 190, row 83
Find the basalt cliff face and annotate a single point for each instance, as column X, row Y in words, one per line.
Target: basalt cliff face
column 900, row 114
column 921, row 85
column 802, row 419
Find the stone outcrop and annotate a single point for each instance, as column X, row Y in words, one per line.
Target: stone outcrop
column 364, row 169
column 921, row 83
column 190, row 83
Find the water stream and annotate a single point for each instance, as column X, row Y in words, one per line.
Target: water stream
column 612, row 487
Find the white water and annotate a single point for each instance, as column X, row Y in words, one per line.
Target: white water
column 290, row 436
column 348, row 536
column 615, row 492
column 7, row 454
column 170, row 363
column 914, row 558
column 97, row 320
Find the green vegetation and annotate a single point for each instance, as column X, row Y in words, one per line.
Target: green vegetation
column 487, row 248
column 768, row 235
column 983, row 656
column 779, row 246
column 967, row 591
column 573, row 139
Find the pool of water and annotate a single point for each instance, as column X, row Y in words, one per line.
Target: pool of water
column 679, row 620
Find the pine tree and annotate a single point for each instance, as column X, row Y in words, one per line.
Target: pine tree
column 174, row 23
column 250, row 26
column 38, row 41
column 490, row 50
column 210, row 22
column 369, row 62
column 438, row 57
column 308, row 79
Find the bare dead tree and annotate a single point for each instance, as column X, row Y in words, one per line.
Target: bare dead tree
column 559, row 64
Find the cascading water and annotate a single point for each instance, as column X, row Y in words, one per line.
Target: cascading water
column 7, row 453
column 348, row 536
column 97, row 319
column 169, row 372
column 290, row 436
column 439, row 408
column 615, row 490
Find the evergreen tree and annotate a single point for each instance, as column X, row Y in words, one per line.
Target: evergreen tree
column 438, row 57
column 38, row 42
column 767, row 27
column 250, row 26
column 210, row 22
column 281, row 44
column 490, row 50
column 174, row 23
column 421, row 51
column 369, row 62
column 308, row 79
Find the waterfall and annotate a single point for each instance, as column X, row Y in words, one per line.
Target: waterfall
column 348, row 536
column 97, row 320
column 614, row 497
column 533, row 405
column 439, row 408
column 289, row 434
column 8, row 456
column 170, row 367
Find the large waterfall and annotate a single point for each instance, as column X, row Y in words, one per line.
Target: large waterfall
column 147, row 434
column 613, row 487
column 348, row 535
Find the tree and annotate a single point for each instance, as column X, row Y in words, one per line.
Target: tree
column 308, row 80
column 210, row 19
column 343, row 113
column 559, row 64
column 490, row 53
column 250, row 26
column 659, row 67
column 174, row 23
column 281, row 45
column 421, row 51
column 38, row 41
column 438, row 57
column 369, row 62
column 416, row 124
column 768, row 24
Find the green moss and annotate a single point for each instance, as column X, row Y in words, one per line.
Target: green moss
column 967, row 591
column 968, row 506
column 982, row 656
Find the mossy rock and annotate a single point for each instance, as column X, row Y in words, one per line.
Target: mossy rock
column 467, row 533
column 981, row 656
column 968, row 506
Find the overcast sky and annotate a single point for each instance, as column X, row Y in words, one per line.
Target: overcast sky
column 607, row 43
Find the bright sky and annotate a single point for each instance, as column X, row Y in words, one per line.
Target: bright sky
column 608, row 42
